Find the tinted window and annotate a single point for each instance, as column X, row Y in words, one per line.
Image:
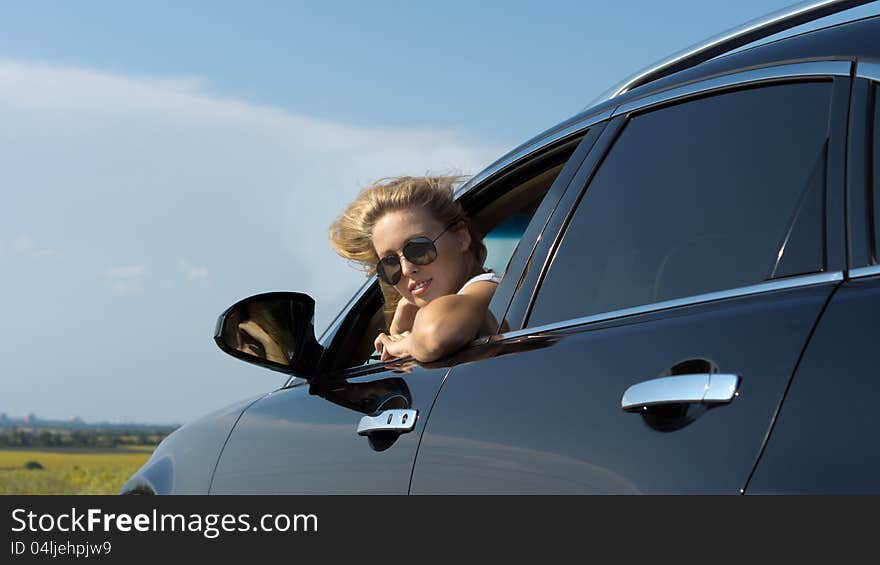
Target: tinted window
column 714, row 193
column 876, row 172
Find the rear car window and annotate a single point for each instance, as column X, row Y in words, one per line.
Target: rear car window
column 876, row 172
column 713, row 193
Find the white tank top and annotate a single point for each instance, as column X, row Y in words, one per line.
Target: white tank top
column 490, row 276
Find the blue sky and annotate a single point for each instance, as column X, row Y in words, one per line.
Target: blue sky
column 161, row 160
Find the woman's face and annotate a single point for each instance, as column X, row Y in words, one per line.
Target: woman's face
column 422, row 283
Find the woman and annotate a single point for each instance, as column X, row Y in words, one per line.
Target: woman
column 412, row 233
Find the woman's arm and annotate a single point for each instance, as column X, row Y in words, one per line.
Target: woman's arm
column 404, row 316
column 443, row 326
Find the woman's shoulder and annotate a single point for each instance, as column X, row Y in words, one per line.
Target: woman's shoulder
column 488, row 276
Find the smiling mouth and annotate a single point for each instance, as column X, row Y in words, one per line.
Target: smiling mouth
column 420, row 288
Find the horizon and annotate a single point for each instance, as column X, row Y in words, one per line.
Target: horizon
column 6, row 418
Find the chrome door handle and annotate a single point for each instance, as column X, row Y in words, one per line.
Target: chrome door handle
column 397, row 420
column 707, row 388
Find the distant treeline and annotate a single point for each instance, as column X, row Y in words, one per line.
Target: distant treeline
column 24, row 437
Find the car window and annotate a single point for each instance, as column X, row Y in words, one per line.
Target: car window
column 876, row 171
column 502, row 240
column 500, row 213
column 718, row 192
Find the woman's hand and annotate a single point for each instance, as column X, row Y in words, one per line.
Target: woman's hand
column 393, row 346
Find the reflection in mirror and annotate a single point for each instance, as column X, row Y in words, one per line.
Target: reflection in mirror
column 367, row 397
column 262, row 329
column 273, row 330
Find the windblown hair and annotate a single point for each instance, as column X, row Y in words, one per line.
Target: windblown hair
column 351, row 235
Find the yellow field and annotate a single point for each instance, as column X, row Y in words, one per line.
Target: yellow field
column 69, row 470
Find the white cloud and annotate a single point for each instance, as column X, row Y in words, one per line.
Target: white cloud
column 150, row 164
column 93, row 101
column 135, row 173
column 197, row 273
column 127, row 279
column 23, row 244
column 193, row 272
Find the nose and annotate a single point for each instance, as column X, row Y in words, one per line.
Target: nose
column 407, row 268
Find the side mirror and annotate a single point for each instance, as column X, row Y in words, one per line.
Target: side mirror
column 273, row 330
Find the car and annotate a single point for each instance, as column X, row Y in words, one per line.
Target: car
column 689, row 304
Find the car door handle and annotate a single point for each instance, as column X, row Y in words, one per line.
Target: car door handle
column 706, row 388
column 398, row 420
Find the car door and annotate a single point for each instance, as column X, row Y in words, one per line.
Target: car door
column 669, row 302
column 823, row 439
column 305, row 438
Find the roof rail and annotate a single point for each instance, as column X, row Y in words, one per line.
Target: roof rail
column 754, row 30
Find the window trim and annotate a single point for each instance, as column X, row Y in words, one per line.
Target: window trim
column 738, row 79
column 861, row 272
column 749, row 290
column 530, row 148
column 343, row 312
column 868, row 70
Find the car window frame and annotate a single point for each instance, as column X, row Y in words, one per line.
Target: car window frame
column 863, row 178
column 874, row 194
column 839, row 71
column 587, row 128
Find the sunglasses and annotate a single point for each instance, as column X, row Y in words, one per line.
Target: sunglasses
column 418, row 251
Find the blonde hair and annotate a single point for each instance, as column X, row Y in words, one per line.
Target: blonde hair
column 351, row 235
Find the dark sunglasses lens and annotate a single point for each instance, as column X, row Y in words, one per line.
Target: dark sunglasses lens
column 420, row 251
column 389, row 270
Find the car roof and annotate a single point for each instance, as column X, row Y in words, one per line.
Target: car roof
column 851, row 40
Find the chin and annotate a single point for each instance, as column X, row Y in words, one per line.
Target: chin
column 432, row 295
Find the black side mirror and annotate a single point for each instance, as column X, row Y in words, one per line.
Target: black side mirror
column 273, row 330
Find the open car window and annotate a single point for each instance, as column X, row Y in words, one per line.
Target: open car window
column 500, row 215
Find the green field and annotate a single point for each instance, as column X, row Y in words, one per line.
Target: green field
column 69, row 470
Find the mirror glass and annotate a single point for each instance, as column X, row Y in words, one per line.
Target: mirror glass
column 273, row 329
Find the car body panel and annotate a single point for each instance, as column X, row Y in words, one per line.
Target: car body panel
column 824, row 440
column 847, row 41
column 184, row 462
column 549, row 420
column 303, row 440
